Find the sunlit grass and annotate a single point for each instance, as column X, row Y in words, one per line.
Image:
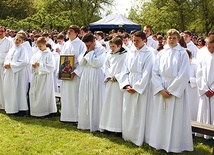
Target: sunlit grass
column 31, row 136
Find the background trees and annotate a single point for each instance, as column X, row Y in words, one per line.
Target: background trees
column 194, row 15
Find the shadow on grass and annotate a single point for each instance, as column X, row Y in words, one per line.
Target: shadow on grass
column 54, row 122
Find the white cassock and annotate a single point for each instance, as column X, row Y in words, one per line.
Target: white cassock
column 151, row 42
column 56, row 57
column 192, row 89
column 15, row 80
column 193, row 49
column 205, row 81
column 29, row 51
column 42, row 97
column 111, row 115
column 171, row 125
column 91, row 88
column 70, row 88
column 137, row 73
column 5, row 45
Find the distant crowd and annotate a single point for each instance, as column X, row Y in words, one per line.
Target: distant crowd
column 144, row 87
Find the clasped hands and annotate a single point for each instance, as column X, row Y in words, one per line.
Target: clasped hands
column 130, row 89
column 36, row 64
column 209, row 93
column 7, row 66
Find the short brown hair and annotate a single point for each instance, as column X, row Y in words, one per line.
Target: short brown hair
column 117, row 41
column 140, row 34
column 60, row 36
column 173, row 32
column 188, row 32
column 75, row 28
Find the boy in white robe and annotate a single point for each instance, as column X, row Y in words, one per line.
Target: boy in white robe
column 190, row 45
column 15, row 79
column 5, row 45
column 192, row 87
column 111, row 115
column 150, row 42
column 135, row 79
column 171, row 125
column 91, row 84
column 70, row 88
column 205, row 82
column 42, row 98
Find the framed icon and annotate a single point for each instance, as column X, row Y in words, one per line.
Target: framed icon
column 66, row 66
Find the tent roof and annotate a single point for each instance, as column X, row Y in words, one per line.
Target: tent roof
column 114, row 19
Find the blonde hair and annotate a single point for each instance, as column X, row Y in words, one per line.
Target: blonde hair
column 22, row 35
column 209, row 39
column 41, row 40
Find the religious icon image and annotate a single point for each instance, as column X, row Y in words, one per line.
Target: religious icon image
column 66, row 66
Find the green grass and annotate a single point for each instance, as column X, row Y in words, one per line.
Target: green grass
column 32, row 136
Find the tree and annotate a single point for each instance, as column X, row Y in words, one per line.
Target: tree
column 193, row 15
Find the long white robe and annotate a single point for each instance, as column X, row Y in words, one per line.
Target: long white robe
column 42, row 97
column 137, row 73
column 70, row 88
column 91, row 88
column 5, row 45
column 111, row 115
column 193, row 90
column 171, row 126
column 15, row 80
column 193, row 49
column 205, row 81
column 151, row 42
column 56, row 57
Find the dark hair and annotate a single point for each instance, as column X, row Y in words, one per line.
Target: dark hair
column 182, row 42
column 89, row 37
column 45, row 34
column 140, row 34
column 84, row 28
column 189, row 53
column 3, row 27
column 75, row 28
column 49, row 46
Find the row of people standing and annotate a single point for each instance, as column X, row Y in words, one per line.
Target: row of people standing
column 129, row 106
column 87, row 92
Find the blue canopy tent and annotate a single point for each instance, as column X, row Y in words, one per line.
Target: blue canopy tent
column 114, row 21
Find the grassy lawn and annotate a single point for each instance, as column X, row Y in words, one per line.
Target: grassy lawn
column 31, row 136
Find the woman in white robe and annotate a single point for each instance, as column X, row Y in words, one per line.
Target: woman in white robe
column 205, row 82
column 42, row 97
column 91, row 90
column 5, row 45
column 111, row 115
column 70, row 88
column 15, row 79
column 171, row 126
column 135, row 78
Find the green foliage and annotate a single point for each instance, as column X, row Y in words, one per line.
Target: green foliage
column 194, row 15
column 50, row 14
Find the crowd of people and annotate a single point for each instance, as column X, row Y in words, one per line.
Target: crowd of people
column 144, row 87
